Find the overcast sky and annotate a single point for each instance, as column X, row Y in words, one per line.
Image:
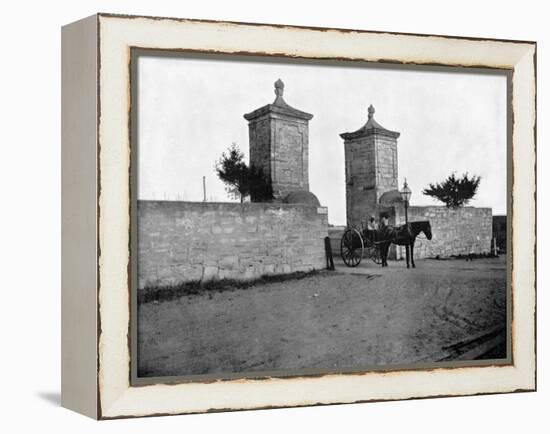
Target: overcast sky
column 191, row 110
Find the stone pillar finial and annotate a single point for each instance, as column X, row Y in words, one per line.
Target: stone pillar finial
column 279, row 87
column 371, row 111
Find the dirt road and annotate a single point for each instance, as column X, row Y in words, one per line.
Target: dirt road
column 361, row 317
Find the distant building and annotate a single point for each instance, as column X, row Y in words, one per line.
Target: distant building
column 499, row 231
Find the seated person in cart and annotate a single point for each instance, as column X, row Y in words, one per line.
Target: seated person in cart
column 372, row 227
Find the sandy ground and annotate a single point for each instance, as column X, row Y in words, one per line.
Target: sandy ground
column 351, row 318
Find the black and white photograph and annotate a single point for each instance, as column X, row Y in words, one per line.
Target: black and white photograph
column 284, row 217
column 301, row 217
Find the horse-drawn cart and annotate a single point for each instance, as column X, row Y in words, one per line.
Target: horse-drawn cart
column 355, row 245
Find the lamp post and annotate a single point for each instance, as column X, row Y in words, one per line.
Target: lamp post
column 405, row 196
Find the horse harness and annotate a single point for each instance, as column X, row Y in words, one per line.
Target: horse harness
column 395, row 233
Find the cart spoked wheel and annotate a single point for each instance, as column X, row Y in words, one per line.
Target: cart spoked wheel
column 374, row 253
column 352, row 247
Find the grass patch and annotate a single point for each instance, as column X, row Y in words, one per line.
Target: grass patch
column 170, row 292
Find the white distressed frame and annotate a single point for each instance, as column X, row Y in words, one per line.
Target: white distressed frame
column 116, row 398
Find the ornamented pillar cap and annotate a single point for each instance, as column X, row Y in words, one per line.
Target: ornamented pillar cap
column 370, row 128
column 279, row 87
column 371, row 111
column 279, row 106
column 279, row 91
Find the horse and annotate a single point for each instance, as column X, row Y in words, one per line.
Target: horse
column 404, row 235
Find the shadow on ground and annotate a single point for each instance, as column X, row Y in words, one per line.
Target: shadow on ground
column 52, row 398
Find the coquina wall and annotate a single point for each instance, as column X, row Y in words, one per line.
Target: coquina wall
column 458, row 231
column 199, row 241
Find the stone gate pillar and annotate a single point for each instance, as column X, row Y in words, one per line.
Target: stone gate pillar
column 278, row 135
column 371, row 170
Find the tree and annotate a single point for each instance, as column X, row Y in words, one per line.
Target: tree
column 454, row 192
column 233, row 172
column 240, row 180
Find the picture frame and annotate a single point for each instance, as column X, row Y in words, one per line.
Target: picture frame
column 98, row 184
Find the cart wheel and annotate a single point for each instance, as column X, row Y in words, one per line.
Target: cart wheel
column 352, row 247
column 374, row 253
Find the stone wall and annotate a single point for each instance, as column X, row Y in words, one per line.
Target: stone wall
column 360, row 180
column 290, row 155
column 259, row 133
column 199, row 241
column 458, row 231
column 279, row 144
column 386, row 165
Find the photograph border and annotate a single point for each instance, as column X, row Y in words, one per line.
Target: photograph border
column 135, row 54
column 115, row 35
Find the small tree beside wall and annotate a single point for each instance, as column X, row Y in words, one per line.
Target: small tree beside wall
column 454, row 192
column 241, row 180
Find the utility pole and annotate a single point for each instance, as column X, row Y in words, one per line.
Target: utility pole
column 204, row 188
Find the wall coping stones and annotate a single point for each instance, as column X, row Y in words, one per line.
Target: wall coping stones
column 450, row 209
column 236, row 206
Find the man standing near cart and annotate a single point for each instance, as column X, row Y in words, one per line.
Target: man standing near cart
column 385, row 228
